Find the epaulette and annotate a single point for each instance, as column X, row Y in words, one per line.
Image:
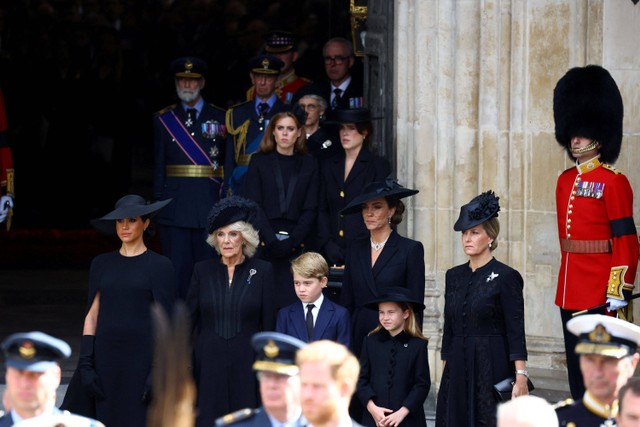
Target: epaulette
column 563, row 404
column 611, row 168
column 234, row 417
column 164, row 110
column 216, row 107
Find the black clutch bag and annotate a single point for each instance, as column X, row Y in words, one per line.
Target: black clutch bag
column 504, row 388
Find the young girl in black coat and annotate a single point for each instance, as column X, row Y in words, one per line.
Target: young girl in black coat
column 394, row 375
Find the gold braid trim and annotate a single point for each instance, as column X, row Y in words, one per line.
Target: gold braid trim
column 10, row 182
column 239, row 143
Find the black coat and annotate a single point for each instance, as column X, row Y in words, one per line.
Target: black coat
column 335, row 230
column 192, row 197
column 483, row 334
column 286, row 188
column 400, row 263
column 394, row 372
column 225, row 317
column 324, row 143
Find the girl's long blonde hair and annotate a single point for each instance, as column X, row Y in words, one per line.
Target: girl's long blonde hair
column 410, row 323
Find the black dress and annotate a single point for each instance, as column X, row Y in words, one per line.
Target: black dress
column 394, row 372
column 483, row 334
column 128, row 287
column 225, row 317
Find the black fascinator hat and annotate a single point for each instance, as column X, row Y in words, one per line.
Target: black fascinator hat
column 232, row 209
column 587, row 103
column 482, row 208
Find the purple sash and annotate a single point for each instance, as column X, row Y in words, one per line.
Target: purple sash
column 183, row 138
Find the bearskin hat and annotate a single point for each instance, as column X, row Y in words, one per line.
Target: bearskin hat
column 587, row 103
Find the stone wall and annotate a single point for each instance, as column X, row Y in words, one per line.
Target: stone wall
column 474, row 82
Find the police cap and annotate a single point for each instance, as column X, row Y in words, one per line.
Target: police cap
column 34, row 351
column 276, row 352
column 190, row 67
column 604, row 335
column 265, row 64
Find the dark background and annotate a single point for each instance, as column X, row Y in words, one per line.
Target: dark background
column 82, row 79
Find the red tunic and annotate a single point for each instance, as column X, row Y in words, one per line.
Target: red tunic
column 591, row 199
column 285, row 88
column 6, row 161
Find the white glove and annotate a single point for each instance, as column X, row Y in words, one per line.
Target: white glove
column 6, row 203
column 615, row 304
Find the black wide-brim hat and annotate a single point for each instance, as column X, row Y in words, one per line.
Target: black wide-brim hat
column 387, row 188
column 351, row 115
column 480, row 209
column 232, row 209
column 129, row 206
column 587, row 103
column 396, row 294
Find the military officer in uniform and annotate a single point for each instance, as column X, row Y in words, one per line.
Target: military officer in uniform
column 607, row 348
column 594, row 202
column 6, row 169
column 32, row 376
column 247, row 121
column 283, row 45
column 279, row 384
column 190, row 147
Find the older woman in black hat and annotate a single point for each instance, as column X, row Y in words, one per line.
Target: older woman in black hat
column 117, row 350
column 381, row 259
column 230, row 299
column 342, row 178
column 283, row 180
column 483, row 338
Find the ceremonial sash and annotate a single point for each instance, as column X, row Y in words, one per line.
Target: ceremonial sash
column 184, row 140
column 236, row 182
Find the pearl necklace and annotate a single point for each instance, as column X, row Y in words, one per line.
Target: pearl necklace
column 377, row 246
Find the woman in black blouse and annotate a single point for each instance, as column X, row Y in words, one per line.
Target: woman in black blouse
column 230, row 299
column 483, row 339
column 283, row 180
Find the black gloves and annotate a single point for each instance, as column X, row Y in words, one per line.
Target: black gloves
column 87, row 368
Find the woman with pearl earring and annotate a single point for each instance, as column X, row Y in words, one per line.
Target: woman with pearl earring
column 382, row 259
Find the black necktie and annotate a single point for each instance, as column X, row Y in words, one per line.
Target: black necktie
column 336, row 98
column 263, row 107
column 310, row 320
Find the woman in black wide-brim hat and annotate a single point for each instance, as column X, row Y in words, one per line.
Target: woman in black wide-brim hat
column 342, row 178
column 116, row 351
column 230, row 298
column 382, row 258
column 483, row 338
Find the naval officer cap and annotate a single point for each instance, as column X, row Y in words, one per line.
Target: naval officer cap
column 265, row 64
column 190, row 67
column 276, row 352
column 604, row 335
column 34, row 351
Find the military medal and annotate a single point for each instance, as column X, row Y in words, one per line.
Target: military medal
column 188, row 123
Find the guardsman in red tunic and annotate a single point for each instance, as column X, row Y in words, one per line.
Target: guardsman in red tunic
column 594, row 203
column 282, row 45
column 6, row 169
